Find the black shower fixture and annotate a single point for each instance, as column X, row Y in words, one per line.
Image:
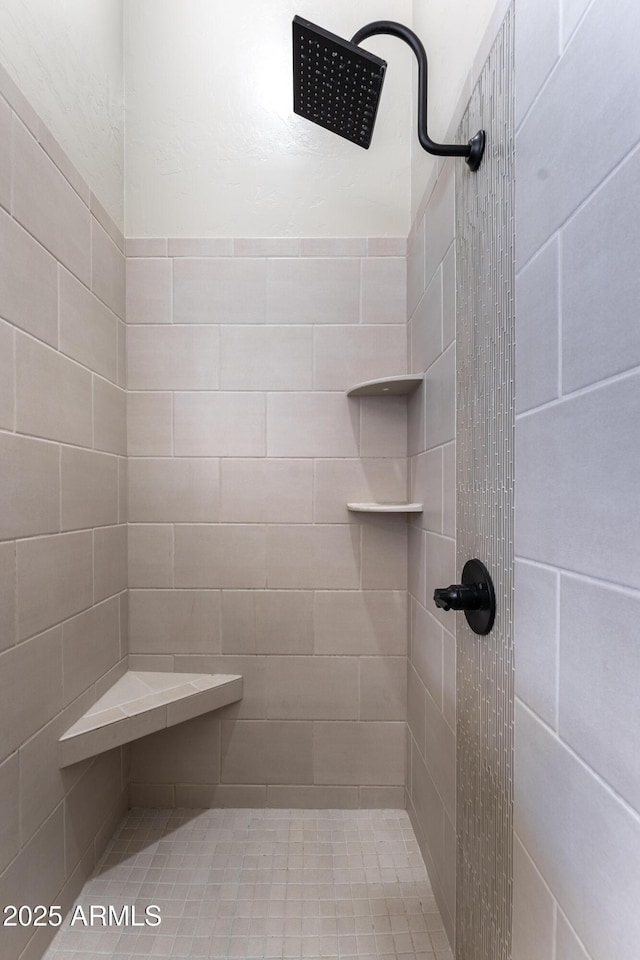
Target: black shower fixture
column 337, row 85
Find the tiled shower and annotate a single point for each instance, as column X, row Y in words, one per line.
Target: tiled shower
column 177, row 451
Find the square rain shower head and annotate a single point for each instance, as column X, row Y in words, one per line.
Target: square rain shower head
column 336, row 84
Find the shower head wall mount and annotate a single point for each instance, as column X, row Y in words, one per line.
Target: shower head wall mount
column 338, row 85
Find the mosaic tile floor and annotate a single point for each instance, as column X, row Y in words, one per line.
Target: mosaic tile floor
column 261, row 885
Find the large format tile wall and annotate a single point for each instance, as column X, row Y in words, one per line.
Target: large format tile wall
column 63, row 611
column 577, row 806
column 431, row 676
column 243, row 452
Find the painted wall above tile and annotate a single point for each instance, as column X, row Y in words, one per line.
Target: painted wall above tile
column 66, row 58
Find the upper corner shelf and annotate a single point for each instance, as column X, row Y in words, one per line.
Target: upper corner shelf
column 387, row 386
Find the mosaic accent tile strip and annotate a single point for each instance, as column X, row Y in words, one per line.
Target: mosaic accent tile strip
column 485, row 430
column 262, row 884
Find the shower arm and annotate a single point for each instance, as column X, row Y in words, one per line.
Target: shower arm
column 472, row 151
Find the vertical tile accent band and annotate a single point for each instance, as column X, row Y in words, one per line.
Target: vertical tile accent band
column 485, row 430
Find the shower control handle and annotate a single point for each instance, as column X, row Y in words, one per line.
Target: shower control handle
column 475, row 596
column 458, row 596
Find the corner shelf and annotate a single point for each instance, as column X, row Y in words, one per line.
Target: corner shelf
column 385, row 507
column 143, row 702
column 387, row 386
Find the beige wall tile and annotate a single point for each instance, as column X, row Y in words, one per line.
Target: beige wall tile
column 90, row 803
column 5, row 155
column 386, row 246
column 29, row 487
column 149, row 424
column 35, row 876
column 344, row 356
column 425, row 327
column 366, row 622
column 177, row 490
column 220, row 555
column 312, row 688
column 266, row 247
column 266, row 491
column 219, row 425
column 311, row 425
column 384, row 553
column 146, row 247
column 90, row 647
column 383, row 426
column 338, row 482
column 55, row 580
column 239, row 621
column 105, row 220
column 333, row 246
column 109, row 561
column 188, row 752
column 149, row 290
column 31, row 688
column 416, row 417
column 123, row 490
column 266, row 358
column 28, row 282
column 220, row 795
column 88, row 329
column 250, row 668
column 267, row 621
column 428, row 809
column 426, row 488
column 156, row 662
column 324, row 557
column 383, row 688
column 427, row 650
column 109, row 417
column 48, row 207
column 441, row 756
column 382, row 798
column 440, row 571
column 284, row 621
column 267, row 751
column 168, row 621
column 219, row 291
column 416, row 709
column 89, row 489
column 312, row 797
column 158, row 795
column 150, row 555
column 358, row 753
column 417, row 558
column 313, row 290
column 533, row 910
column 173, row 358
column 53, row 394
column 107, row 270
column 7, row 377
column 53, row 149
column 384, row 290
column 10, row 806
column 199, row 247
column 122, row 354
column 7, row 595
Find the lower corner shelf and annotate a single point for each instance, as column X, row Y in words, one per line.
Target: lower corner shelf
column 143, row 702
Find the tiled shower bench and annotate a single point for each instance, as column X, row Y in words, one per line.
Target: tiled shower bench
column 143, row 702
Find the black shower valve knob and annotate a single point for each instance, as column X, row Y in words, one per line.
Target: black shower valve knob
column 458, row 596
column 475, row 595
